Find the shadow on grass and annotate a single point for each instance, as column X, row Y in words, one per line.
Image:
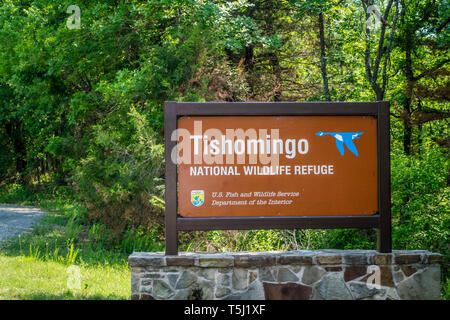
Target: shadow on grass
column 66, row 238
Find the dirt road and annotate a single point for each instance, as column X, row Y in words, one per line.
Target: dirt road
column 15, row 219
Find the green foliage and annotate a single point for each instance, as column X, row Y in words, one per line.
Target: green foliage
column 351, row 239
column 81, row 110
column 420, row 200
column 14, row 193
column 222, row 241
column 121, row 173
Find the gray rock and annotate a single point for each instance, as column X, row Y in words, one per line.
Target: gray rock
column 391, row 294
column 285, row 275
column 239, row 279
column 356, row 259
column 331, row 287
column 254, row 292
column 312, row 274
column 135, row 283
column 207, row 288
column 266, row 274
column 234, row 296
column 222, row 292
column 208, row 273
column 146, row 282
column 297, row 269
column 152, row 275
column 182, row 294
column 161, row 290
column 143, row 259
column 172, row 279
column 186, row 279
column 361, row 290
column 146, row 289
column 215, row 260
column 423, row 285
column 224, row 280
column 398, row 276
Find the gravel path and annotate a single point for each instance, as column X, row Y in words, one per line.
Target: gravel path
column 15, row 219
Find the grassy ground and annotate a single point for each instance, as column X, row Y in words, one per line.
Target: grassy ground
column 23, row 277
column 40, row 264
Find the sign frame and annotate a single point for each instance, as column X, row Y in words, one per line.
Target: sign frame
column 380, row 221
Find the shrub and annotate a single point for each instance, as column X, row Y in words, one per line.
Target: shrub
column 120, row 178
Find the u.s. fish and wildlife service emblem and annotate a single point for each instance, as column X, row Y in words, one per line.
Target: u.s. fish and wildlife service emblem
column 197, row 197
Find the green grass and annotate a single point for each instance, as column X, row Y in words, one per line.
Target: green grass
column 37, row 265
column 23, row 277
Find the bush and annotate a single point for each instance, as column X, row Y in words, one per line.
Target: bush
column 420, row 201
column 420, row 205
column 120, row 178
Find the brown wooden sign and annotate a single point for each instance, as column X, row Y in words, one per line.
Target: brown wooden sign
column 277, row 165
column 294, row 170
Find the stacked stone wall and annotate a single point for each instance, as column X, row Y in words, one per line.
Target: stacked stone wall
column 300, row 275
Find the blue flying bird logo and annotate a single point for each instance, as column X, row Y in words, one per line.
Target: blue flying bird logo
column 343, row 138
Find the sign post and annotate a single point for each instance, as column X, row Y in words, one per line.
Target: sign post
column 280, row 165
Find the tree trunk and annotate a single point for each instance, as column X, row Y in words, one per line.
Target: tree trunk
column 15, row 134
column 407, row 128
column 249, row 64
column 323, row 61
column 275, row 63
column 407, row 125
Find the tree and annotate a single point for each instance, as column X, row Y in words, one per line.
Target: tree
column 319, row 8
column 422, row 41
column 377, row 67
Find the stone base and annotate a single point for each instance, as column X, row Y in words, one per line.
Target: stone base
column 294, row 275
